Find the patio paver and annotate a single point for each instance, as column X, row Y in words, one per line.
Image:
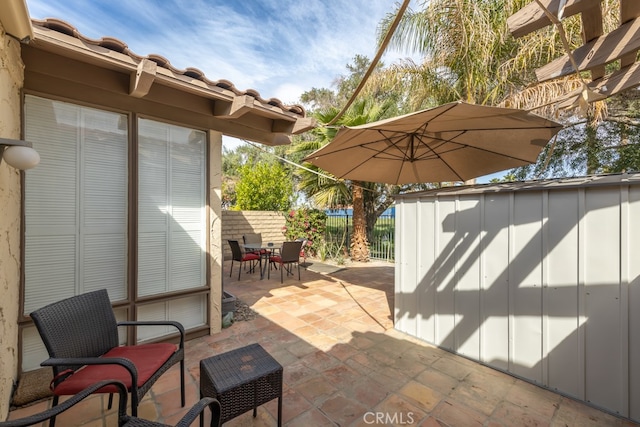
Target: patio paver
column 345, row 365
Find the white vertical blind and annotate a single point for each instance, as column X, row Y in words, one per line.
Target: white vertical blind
column 190, row 311
column 171, row 208
column 75, row 202
column 103, row 203
column 51, row 202
column 153, row 202
column 33, row 349
column 75, row 207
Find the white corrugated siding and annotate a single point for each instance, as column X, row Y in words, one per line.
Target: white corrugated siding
column 544, row 284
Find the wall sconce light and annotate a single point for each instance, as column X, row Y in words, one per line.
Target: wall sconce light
column 18, row 153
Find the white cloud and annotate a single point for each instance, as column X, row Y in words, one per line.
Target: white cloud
column 281, row 48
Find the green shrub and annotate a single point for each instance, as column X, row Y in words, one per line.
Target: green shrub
column 306, row 224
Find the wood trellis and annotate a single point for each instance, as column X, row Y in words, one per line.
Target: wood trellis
column 599, row 48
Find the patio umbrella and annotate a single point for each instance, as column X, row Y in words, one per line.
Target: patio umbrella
column 453, row 142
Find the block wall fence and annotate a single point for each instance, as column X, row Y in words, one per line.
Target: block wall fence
column 237, row 223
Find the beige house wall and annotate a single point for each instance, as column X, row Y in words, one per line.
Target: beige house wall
column 237, row 223
column 11, row 81
column 95, row 75
column 215, row 222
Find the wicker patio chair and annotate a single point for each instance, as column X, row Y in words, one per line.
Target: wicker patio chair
column 254, row 238
column 82, row 332
column 238, row 255
column 289, row 255
column 123, row 419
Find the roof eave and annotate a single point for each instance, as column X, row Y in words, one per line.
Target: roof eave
column 14, row 16
column 229, row 103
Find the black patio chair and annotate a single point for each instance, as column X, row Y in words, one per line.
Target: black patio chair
column 237, row 254
column 289, row 255
column 82, row 332
column 252, row 238
column 255, row 238
column 124, row 420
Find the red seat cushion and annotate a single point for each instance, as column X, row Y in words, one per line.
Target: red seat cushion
column 276, row 258
column 147, row 358
column 251, row 257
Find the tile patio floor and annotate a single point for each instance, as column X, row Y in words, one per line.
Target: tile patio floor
column 344, row 363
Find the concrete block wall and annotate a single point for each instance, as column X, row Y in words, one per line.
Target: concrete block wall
column 237, row 223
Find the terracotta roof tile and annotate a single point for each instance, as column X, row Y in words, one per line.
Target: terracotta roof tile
column 119, row 46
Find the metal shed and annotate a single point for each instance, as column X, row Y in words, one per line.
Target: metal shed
column 539, row 279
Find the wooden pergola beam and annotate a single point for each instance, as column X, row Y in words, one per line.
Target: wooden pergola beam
column 629, row 9
column 591, row 30
column 604, row 49
column 598, row 50
column 531, row 17
column 621, row 80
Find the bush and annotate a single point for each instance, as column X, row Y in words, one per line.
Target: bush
column 306, row 224
column 263, row 187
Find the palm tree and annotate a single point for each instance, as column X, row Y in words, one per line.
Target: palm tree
column 327, row 191
column 470, row 55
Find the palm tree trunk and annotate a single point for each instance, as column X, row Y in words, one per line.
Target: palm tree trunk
column 359, row 242
column 593, row 148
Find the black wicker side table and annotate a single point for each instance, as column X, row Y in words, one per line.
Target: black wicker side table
column 242, row 379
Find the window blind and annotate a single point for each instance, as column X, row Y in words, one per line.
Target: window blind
column 171, row 208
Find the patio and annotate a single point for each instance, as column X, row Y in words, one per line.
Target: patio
column 344, row 364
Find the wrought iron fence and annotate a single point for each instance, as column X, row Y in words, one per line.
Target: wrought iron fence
column 381, row 246
column 383, row 238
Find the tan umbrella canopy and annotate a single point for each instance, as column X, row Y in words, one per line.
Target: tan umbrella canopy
column 452, row 142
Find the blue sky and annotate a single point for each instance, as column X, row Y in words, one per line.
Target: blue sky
column 281, row 48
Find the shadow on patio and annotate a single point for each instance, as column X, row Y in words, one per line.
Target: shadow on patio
column 344, row 364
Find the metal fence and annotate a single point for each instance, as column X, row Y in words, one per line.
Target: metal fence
column 381, row 246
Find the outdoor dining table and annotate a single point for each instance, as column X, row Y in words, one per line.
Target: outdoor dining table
column 264, row 250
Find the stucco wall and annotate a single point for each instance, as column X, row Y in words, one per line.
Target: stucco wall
column 11, row 79
column 215, row 247
column 237, row 223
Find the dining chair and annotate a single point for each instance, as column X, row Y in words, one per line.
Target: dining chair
column 289, row 255
column 81, row 336
column 254, row 238
column 237, row 254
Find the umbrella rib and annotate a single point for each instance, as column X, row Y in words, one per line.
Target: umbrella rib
column 441, row 159
column 366, row 146
column 461, row 146
column 390, row 140
column 410, row 148
column 425, row 145
column 488, row 129
column 370, row 157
